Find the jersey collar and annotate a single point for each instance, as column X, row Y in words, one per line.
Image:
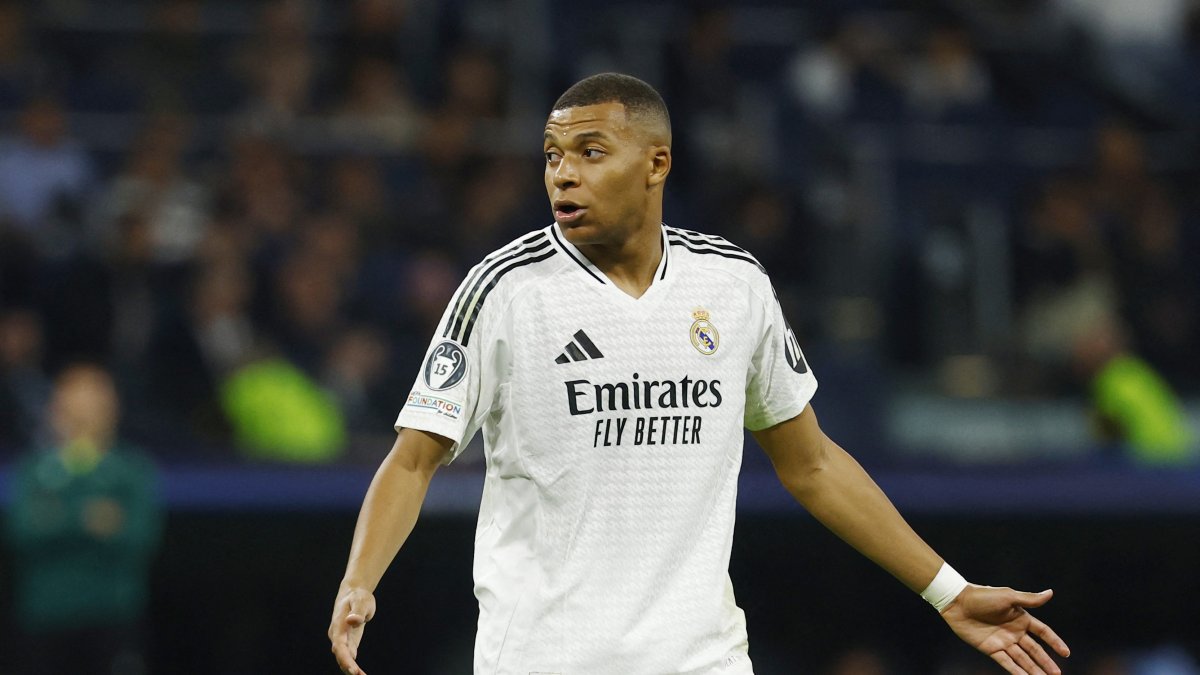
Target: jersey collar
column 582, row 261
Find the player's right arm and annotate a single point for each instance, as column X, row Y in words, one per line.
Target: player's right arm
column 387, row 517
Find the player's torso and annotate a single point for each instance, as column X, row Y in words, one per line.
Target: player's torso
column 606, row 383
column 627, row 416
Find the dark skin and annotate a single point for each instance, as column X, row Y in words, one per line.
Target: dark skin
column 605, row 172
column 613, row 167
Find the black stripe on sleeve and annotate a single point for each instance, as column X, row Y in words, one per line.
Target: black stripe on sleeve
column 466, row 333
column 460, row 316
column 588, row 345
column 459, row 300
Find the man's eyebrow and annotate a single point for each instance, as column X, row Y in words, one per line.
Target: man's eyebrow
column 582, row 136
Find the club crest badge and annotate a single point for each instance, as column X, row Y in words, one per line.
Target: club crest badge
column 446, row 366
column 705, row 337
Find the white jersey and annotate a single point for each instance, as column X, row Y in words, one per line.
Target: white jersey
column 613, row 432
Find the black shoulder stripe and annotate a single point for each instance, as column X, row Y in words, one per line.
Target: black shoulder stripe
column 464, row 293
column 466, row 333
column 695, row 248
column 572, row 256
column 472, row 298
column 710, row 239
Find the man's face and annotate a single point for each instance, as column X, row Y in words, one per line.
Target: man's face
column 598, row 173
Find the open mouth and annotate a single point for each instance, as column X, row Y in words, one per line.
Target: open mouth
column 566, row 212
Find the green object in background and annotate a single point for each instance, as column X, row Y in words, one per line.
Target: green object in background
column 1130, row 393
column 279, row 414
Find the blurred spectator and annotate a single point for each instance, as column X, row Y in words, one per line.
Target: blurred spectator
column 137, row 290
column 21, row 70
column 429, row 283
column 83, row 529
column 176, row 71
column 947, row 79
column 474, row 84
column 377, row 107
column 491, row 212
column 1063, row 281
column 194, row 350
column 702, row 79
column 822, row 76
column 154, row 187
column 44, row 177
column 1137, row 43
column 261, row 190
column 374, row 30
column 1188, row 85
column 356, row 375
column 1132, row 401
column 356, row 190
column 280, row 67
column 703, row 93
column 1070, row 299
column 24, row 387
column 1159, row 292
column 1160, row 296
column 853, row 72
column 1121, row 179
column 310, row 294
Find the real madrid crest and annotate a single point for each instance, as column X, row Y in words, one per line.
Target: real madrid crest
column 704, row 335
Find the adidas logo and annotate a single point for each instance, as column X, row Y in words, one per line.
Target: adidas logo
column 580, row 349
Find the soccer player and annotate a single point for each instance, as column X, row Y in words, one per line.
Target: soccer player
column 612, row 363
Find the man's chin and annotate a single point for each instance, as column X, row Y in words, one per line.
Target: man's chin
column 580, row 233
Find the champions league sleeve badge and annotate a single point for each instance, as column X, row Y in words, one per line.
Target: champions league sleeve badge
column 446, row 366
column 704, row 335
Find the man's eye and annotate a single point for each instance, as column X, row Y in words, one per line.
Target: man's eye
column 593, row 153
column 551, row 156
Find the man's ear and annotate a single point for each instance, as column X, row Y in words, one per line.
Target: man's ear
column 660, row 165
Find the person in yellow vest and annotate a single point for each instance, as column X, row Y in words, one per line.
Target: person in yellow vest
column 1131, row 401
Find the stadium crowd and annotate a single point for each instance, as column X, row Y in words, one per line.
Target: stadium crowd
column 230, row 203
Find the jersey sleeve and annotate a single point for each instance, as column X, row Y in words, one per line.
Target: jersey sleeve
column 780, row 382
column 460, row 375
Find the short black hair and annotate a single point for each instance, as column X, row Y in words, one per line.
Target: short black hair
column 639, row 98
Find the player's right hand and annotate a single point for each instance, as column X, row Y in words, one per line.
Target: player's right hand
column 351, row 612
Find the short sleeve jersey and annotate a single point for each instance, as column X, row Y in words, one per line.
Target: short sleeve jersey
column 613, row 431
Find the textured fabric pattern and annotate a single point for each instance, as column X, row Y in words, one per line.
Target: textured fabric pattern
column 613, row 435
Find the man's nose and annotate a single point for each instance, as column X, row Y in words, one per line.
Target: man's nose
column 565, row 174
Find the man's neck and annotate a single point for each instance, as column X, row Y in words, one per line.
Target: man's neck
column 631, row 265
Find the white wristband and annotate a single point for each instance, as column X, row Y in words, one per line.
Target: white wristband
column 944, row 588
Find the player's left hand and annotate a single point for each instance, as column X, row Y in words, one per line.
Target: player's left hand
column 353, row 609
column 995, row 621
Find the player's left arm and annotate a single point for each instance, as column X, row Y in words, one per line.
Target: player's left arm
column 836, row 490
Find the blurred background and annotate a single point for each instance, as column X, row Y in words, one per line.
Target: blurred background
column 982, row 218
